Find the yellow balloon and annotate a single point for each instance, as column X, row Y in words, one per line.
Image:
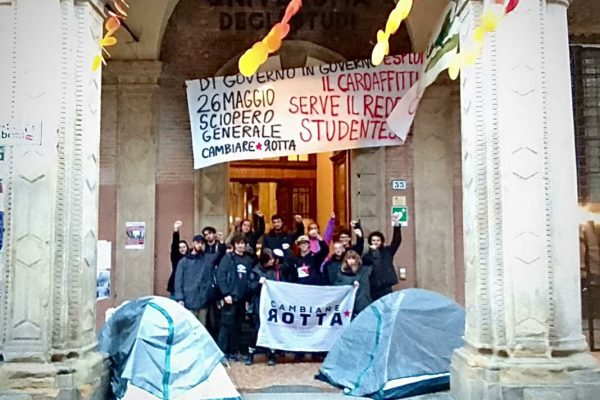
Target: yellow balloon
column 489, row 21
column 248, row 63
column 378, row 53
column 404, row 7
column 479, row 34
column 108, row 41
column 382, row 36
column 454, row 67
column 272, row 41
column 393, row 22
column 262, row 51
column 97, row 62
column 470, row 57
column 387, row 47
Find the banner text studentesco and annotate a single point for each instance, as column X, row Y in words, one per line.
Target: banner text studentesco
column 297, row 111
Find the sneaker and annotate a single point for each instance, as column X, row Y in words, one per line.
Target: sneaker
column 272, row 359
column 233, row 357
column 249, row 359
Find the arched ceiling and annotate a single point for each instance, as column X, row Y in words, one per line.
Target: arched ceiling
column 148, row 20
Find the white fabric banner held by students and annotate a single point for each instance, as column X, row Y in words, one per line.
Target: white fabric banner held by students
column 297, row 111
column 303, row 318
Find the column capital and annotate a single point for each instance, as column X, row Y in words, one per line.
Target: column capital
column 132, row 72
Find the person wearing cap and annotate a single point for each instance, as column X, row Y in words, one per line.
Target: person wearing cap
column 232, row 279
column 307, row 265
column 194, row 280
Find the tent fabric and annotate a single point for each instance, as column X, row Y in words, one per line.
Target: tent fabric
column 404, row 340
column 159, row 347
column 217, row 386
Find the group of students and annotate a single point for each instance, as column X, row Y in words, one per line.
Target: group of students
column 216, row 278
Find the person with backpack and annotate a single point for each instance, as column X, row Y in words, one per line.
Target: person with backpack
column 232, row 279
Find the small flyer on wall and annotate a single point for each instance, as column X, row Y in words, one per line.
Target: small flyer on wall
column 103, row 270
column 136, row 233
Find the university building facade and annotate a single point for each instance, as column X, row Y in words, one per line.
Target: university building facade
column 490, row 168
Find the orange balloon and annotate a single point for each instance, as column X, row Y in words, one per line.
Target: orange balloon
column 272, row 41
column 282, row 29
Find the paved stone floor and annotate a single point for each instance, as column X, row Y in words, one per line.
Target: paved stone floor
column 290, row 381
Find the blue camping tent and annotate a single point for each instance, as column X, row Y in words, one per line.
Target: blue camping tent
column 159, row 350
column 400, row 346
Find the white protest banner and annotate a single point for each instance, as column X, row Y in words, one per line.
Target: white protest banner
column 302, row 317
column 297, row 111
column 443, row 46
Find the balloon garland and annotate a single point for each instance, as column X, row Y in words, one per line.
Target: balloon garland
column 112, row 25
column 254, row 57
column 490, row 20
column 398, row 14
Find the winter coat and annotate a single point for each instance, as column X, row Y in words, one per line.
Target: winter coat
column 275, row 240
column 254, row 286
column 176, row 256
column 363, row 294
column 215, row 252
column 308, row 268
column 331, row 269
column 195, row 281
column 253, row 236
column 233, row 275
column 382, row 260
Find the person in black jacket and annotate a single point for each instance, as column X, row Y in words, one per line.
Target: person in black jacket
column 212, row 247
column 277, row 237
column 214, row 251
column 262, row 271
column 194, row 281
column 253, row 236
column 352, row 272
column 333, row 265
column 381, row 258
column 308, row 264
column 179, row 249
column 346, row 238
column 232, row 279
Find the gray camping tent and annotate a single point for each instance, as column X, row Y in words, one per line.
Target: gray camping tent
column 159, row 350
column 400, row 346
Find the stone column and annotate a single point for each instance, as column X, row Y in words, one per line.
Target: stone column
column 523, row 335
column 48, row 267
column 136, row 84
column 212, row 198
